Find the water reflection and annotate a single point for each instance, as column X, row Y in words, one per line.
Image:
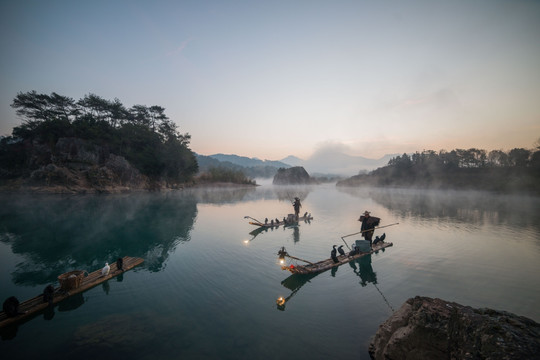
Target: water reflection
column 56, row 234
column 282, row 193
column 296, row 234
column 361, row 267
column 217, row 195
column 71, row 303
column 288, row 193
column 473, row 207
column 364, row 270
column 294, row 283
column 295, row 231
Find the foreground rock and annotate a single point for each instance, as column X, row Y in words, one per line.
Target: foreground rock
column 292, row 176
column 426, row 328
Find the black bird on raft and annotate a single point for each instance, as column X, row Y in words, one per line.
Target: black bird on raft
column 48, row 294
column 379, row 239
column 120, row 264
column 11, row 306
column 333, row 254
column 340, row 250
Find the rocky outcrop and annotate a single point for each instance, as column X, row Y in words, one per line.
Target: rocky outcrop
column 292, row 176
column 427, row 328
column 73, row 165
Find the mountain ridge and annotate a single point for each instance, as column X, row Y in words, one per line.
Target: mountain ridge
column 332, row 162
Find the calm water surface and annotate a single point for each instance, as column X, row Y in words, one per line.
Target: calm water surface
column 208, row 287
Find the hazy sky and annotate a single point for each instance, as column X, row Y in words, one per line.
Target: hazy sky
column 269, row 79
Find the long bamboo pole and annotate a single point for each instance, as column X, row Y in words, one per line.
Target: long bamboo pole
column 375, row 228
column 295, row 258
column 380, row 227
column 249, row 217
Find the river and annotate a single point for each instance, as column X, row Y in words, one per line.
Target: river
column 208, row 286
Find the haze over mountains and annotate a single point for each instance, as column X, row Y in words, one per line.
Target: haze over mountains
column 338, row 163
column 327, row 162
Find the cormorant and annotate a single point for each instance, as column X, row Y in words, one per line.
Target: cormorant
column 120, row 264
column 379, row 239
column 48, row 294
column 11, row 306
column 340, row 250
column 333, row 254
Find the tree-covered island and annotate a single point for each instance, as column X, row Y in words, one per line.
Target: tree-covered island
column 515, row 171
column 94, row 145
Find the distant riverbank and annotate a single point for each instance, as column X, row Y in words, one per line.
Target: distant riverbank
column 428, row 170
column 18, row 186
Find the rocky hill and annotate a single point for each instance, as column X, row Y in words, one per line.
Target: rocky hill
column 92, row 145
column 251, row 167
column 292, row 176
column 74, row 165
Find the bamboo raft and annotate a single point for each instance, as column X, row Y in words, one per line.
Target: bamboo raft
column 323, row 265
column 272, row 223
column 36, row 304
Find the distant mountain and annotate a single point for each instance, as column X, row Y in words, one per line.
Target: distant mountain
column 323, row 162
column 251, row 167
column 330, row 161
column 293, row 160
column 248, row 162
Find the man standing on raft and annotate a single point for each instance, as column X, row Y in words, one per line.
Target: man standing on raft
column 296, row 206
column 368, row 225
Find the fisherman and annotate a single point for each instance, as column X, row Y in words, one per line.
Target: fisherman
column 368, row 225
column 296, row 206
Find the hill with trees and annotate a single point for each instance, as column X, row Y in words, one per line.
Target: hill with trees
column 517, row 170
column 253, row 168
column 93, row 144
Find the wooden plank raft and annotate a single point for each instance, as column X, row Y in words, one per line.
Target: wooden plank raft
column 36, row 304
column 279, row 223
column 323, row 265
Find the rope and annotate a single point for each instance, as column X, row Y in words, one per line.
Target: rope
column 384, row 297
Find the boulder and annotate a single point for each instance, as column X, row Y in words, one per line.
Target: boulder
column 427, row 328
column 292, row 176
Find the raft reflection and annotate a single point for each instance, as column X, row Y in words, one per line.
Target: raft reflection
column 361, row 267
column 295, row 234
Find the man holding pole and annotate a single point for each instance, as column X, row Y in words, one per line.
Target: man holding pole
column 296, row 205
column 368, row 225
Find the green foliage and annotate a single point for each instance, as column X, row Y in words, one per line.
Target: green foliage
column 145, row 136
column 515, row 171
column 13, row 157
column 141, row 148
column 220, row 174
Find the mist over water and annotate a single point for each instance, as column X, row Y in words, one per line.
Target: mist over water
column 209, row 283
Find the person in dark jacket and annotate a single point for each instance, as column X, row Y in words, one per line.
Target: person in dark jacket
column 368, row 225
column 296, row 205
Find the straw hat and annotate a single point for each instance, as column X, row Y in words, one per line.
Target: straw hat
column 366, row 212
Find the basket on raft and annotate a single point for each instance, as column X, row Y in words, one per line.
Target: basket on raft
column 71, row 280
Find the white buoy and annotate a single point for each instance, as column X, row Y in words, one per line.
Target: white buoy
column 105, row 270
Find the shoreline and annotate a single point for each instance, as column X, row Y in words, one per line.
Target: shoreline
column 77, row 190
